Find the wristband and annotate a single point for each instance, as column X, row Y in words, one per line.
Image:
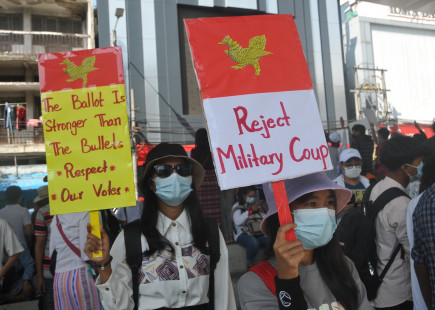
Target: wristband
column 95, row 265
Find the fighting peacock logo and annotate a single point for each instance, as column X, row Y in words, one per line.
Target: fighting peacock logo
column 246, row 56
column 79, row 72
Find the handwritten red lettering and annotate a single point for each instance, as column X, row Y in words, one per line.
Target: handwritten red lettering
column 320, row 153
column 118, row 100
column 241, row 114
column 108, row 191
column 108, row 122
column 244, row 160
column 50, row 108
column 92, row 102
column 51, row 125
column 70, row 172
column 101, row 145
column 67, row 196
column 58, row 150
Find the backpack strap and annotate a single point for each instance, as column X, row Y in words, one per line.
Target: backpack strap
column 385, row 198
column 267, row 273
column 133, row 253
column 215, row 254
column 378, row 205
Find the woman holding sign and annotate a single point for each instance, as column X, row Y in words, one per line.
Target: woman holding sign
column 176, row 245
column 310, row 272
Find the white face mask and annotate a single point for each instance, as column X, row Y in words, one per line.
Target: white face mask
column 352, row 172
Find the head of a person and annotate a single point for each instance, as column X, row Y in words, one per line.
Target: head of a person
column 383, row 134
column 247, row 195
column 170, row 178
column 170, row 175
column 402, row 156
column 314, row 200
column 428, row 173
column 13, row 195
column 335, row 139
column 351, row 163
column 419, row 138
column 42, row 199
column 358, row 130
column 201, row 139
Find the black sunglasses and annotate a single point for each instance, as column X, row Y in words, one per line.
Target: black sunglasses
column 164, row 171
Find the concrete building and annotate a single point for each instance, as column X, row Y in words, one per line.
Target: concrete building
column 159, row 70
column 28, row 28
column 394, row 42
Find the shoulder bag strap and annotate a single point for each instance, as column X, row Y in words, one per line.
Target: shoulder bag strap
column 267, row 273
column 70, row 245
column 385, row 198
column 133, row 252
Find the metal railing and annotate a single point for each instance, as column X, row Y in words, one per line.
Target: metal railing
column 37, row 42
column 21, row 134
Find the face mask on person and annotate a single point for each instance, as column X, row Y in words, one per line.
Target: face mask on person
column 315, row 226
column 419, row 168
column 352, row 172
column 174, row 189
column 250, row 200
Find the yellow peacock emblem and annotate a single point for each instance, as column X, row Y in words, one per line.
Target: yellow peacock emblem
column 246, row 56
column 79, row 72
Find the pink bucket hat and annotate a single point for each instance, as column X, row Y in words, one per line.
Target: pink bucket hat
column 300, row 186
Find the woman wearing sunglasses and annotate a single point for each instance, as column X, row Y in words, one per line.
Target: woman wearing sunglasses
column 175, row 267
column 310, row 272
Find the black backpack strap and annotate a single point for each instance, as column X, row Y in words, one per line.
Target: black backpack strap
column 378, row 205
column 133, row 251
column 385, row 198
column 215, row 254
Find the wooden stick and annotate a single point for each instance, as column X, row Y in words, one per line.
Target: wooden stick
column 94, row 217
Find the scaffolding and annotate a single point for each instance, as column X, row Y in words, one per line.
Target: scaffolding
column 372, row 86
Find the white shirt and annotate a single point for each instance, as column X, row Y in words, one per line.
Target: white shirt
column 164, row 281
column 390, row 231
column 340, row 181
column 17, row 217
column 416, row 292
column 74, row 228
column 9, row 242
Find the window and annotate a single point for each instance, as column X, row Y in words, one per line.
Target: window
column 65, row 25
column 11, row 22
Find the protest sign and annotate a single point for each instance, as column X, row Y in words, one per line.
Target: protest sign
column 86, row 130
column 258, row 99
column 259, row 103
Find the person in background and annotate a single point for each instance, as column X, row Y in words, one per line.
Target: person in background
column 19, row 219
column 175, row 268
column 11, row 246
column 337, row 142
column 74, row 286
column 401, row 155
column 248, row 213
column 43, row 220
column 383, row 134
column 310, row 272
column 427, row 180
column 364, row 144
column 209, row 191
column 423, row 251
column 350, row 165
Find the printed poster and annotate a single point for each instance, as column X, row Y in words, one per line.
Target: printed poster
column 86, row 130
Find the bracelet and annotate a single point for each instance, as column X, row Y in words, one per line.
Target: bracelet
column 95, row 265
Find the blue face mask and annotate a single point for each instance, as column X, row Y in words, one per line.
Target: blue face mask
column 250, row 200
column 419, row 168
column 315, row 226
column 174, row 189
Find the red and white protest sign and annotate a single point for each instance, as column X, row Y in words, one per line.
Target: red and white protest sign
column 259, row 103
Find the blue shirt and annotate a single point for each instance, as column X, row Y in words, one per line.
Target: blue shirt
column 424, row 235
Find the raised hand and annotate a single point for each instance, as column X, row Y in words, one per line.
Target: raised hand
column 288, row 253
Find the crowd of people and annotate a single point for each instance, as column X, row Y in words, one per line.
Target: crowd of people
column 170, row 250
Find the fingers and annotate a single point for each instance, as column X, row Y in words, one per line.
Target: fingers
column 280, row 236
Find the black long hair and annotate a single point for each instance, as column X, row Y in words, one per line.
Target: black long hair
column 332, row 264
column 156, row 241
